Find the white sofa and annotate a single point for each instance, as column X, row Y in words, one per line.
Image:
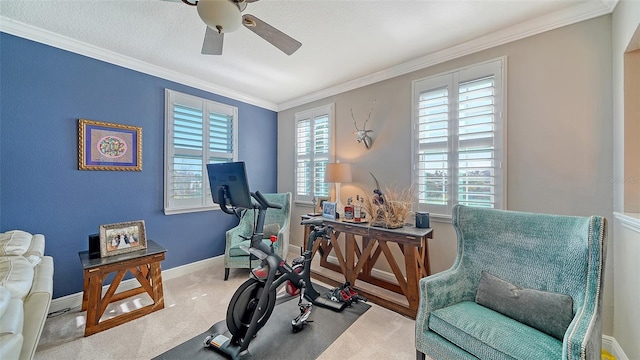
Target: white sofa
column 26, row 288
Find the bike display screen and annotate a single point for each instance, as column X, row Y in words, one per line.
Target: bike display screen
column 233, row 176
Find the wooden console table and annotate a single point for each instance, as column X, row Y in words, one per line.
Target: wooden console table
column 357, row 259
column 144, row 265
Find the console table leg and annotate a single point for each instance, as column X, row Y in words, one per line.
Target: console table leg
column 411, row 258
column 85, row 291
column 94, row 302
column 156, row 281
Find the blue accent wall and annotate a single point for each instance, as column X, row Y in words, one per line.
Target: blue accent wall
column 43, row 93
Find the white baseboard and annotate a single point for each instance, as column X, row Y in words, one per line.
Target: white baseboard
column 610, row 344
column 75, row 300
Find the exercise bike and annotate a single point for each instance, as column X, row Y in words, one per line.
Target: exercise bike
column 254, row 301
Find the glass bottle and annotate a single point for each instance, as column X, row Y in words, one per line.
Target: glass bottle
column 348, row 210
column 357, row 210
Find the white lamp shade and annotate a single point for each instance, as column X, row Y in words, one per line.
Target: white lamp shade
column 338, row 173
column 222, row 13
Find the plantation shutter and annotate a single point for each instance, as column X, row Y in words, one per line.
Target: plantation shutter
column 313, row 143
column 186, row 166
column 199, row 132
column 458, row 139
column 476, row 151
column 304, row 158
column 221, row 143
column 433, row 145
column 221, row 136
column 321, row 154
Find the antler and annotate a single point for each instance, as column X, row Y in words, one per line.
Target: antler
column 355, row 123
column 364, row 127
column 368, row 117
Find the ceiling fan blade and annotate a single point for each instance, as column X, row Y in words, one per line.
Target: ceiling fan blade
column 250, row 1
column 212, row 44
column 277, row 38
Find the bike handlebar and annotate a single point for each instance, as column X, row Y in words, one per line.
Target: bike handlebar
column 264, row 203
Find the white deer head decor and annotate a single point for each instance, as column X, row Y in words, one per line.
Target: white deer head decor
column 363, row 135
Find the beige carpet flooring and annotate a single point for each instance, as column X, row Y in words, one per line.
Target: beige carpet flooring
column 193, row 303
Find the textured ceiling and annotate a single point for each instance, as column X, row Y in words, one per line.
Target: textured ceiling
column 342, row 40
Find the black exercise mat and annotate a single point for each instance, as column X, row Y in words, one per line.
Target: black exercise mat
column 276, row 340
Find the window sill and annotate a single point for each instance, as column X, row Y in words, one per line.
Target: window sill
column 176, row 211
column 303, row 203
column 440, row 218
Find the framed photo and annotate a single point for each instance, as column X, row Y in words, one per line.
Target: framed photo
column 321, row 201
column 329, row 210
column 120, row 238
column 107, row 146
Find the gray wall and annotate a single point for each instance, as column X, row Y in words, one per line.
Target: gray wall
column 626, row 244
column 559, row 131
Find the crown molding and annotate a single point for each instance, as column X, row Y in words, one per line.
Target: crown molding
column 33, row 33
column 581, row 12
column 610, row 4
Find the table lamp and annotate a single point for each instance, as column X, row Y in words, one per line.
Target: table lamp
column 338, row 173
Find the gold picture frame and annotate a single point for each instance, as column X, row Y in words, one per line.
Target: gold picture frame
column 108, row 146
column 320, row 201
column 123, row 237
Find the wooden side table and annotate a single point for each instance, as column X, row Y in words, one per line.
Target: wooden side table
column 144, row 265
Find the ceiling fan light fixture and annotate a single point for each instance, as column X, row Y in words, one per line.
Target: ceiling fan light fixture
column 222, row 15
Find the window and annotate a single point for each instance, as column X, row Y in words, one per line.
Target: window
column 198, row 132
column 313, row 141
column 458, row 151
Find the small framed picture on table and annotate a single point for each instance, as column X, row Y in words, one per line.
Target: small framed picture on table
column 329, row 210
column 120, row 238
column 317, row 209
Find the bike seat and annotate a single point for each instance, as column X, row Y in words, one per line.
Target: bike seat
column 317, row 221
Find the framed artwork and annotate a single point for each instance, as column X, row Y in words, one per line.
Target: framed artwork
column 320, row 202
column 329, row 210
column 107, row 146
column 120, row 238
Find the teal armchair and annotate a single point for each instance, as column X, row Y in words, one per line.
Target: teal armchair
column 515, row 278
column 276, row 223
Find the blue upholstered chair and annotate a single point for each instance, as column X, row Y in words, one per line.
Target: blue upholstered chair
column 276, row 223
column 523, row 286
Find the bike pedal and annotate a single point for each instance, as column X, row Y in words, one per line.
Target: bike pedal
column 297, row 327
column 351, row 292
column 298, row 323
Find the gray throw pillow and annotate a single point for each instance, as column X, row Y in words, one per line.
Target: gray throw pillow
column 548, row 312
column 270, row 229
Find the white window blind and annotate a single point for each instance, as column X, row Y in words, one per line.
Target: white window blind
column 458, row 139
column 313, row 150
column 198, row 132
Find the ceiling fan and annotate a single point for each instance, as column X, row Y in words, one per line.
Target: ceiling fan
column 225, row 16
